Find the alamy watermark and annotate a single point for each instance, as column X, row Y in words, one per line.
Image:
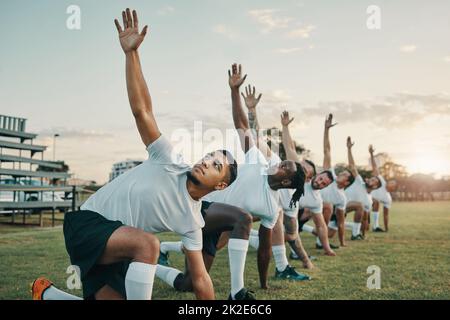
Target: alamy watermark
column 73, row 22
column 373, row 21
column 374, row 280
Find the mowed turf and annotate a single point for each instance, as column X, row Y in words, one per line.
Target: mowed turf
column 414, row 258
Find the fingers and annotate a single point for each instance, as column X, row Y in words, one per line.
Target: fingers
column 243, row 79
column 242, row 94
column 229, row 73
column 240, row 69
column 125, row 21
column 254, row 91
column 291, row 120
column 129, row 18
column 144, row 31
column 259, row 97
column 135, row 19
column 246, row 91
column 119, row 28
column 234, row 68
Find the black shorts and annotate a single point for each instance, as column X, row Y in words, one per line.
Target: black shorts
column 210, row 239
column 300, row 222
column 86, row 234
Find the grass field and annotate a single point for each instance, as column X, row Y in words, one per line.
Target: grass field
column 414, row 258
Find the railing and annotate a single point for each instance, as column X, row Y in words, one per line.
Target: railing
column 12, row 123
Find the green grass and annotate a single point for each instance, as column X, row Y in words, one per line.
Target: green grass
column 414, row 258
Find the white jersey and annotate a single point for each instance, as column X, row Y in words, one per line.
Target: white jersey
column 153, row 197
column 381, row 194
column 251, row 190
column 357, row 192
column 334, row 195
column 311, row 199
column 285, row 202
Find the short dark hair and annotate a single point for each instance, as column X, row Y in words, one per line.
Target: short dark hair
column 329, row 174
column 351, row 178
column 298, row 182
column 312, row 165
column 232, row 165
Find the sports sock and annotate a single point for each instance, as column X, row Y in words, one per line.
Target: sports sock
column 279, row 255
column 307, row 228
column 53, row 293
column 171, row 246
column 139, row 281
column 356, row 228
column 318, row 241
column 167, row 274
column 254, row 239
column 349, row 225
column 237, row 252
column 294, row 255
column 375, row 219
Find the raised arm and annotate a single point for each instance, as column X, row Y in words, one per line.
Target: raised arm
column 326, row 142
column 375, row 171
column 288, row 143
column 351, row 161
column 235, row 80
column 251, row 102
column 138, row 94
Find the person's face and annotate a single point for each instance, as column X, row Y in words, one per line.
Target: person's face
column 212, row 172
column 342, row 179
column 391, row 186
column 321, row 181
column 373, row 183
column 283, row 172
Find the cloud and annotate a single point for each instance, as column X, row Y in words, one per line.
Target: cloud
column 301, row 32
column 398, row 110
column 288, row 50
column 224, row 30
column 268, row 20
column 71, row 133
column 165, row 10
column 408, row 48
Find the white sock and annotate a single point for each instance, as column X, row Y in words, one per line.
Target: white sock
column 254, row 240
column 356, row 228
column 375, row 219
column 139, row 281
column 294, row 255
column 349, row 225
column 237, row 252
column 318, row 241
column 167, row 274
column 279, row 255
column 171, row 246
column 307, row 228
column 53, row 293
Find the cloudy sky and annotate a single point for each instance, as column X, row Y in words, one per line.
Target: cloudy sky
column 389, row 87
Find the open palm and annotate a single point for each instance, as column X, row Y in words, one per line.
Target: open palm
column 130, row 38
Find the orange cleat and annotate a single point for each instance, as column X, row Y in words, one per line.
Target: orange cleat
column 39, row 286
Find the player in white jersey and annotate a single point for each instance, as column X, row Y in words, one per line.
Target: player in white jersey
column 255, row 191
column 333, row 196
column 111, row 239
column 380, row 195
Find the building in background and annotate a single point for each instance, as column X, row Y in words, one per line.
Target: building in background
column 122, row 167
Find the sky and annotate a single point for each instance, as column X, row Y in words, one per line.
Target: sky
column 389, row 86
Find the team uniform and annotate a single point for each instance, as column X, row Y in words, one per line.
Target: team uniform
column 381, row 194
column 152, row 196
column 357, row 192
column 335, row 196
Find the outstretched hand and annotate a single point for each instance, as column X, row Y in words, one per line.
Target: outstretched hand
column 371, row 149
column 350, row 143
column 329, row 122
column 130, row 38
column 250, row 97
column 285, row 121
column 235, row 79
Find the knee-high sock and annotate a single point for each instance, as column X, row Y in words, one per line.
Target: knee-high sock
column 171, row 246
column 318, row 241
column 254, row 239
column 279, row 255
column 375, row 219
column 307, row 228
column 356, row 228
column 53, row 293
column 167, row 274
column 139, row 281
column 237, row 252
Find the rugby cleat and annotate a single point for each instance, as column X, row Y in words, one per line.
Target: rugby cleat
column 378, row 229
column 38, row 288
column 332, row 246
column 293, row 256
column 243, row 294
column 358, row 237
column 290, row 274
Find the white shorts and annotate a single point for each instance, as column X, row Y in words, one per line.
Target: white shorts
column 291, row 213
